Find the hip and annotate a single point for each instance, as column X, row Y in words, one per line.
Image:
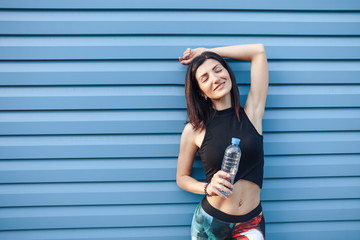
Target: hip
column 210, row 223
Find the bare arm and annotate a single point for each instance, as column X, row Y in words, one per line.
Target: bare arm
column 255, row 53
column 245, row 52
column 256, row 100
column 185, row 162
column 187, row 153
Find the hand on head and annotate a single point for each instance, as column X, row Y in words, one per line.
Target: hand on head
column 190, row 54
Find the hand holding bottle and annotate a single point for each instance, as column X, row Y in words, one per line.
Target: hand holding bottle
column 220, row 184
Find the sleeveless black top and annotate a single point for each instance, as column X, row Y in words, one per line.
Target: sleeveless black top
column 219, row 132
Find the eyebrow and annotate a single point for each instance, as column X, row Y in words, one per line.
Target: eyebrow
column 211, row 69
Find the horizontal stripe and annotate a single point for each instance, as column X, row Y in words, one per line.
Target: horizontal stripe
column 165, row 145
column 185, row 4
column 311, row 188
column 173, row 23
column 162, row 215
column 166, row 121
column 176, row 15
column 182, row 41
column 280, row 231
column 311, row 166
column 135, row 91
column 317, row 230
column 101, row 170
column 95, row 217
column 164, row 169
column 168, row 72
column 135, row 193
column 137, row 233
column 167, row 52
column 148, row 97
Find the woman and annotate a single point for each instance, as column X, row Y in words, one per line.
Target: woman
column 215, row 116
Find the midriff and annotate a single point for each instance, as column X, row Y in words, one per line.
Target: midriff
column 246, row 192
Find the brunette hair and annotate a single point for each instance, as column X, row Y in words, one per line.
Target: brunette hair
column 199, row 109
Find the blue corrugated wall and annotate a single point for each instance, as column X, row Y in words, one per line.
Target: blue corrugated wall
column 92, row 107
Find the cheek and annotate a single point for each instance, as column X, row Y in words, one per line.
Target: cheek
column 204, row 86
column 203, row 90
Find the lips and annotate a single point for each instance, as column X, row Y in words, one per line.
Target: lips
column 219, row 86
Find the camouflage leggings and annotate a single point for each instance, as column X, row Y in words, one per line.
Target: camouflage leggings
column 207, row 227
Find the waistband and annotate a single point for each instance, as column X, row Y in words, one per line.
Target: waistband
column 216, row 213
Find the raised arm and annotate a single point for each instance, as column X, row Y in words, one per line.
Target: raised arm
column 255, row 53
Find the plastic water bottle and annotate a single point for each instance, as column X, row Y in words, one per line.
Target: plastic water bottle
column 231, row 160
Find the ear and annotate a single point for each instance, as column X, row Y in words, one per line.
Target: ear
column 202, row 94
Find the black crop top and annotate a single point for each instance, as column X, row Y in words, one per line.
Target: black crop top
column 219, row 132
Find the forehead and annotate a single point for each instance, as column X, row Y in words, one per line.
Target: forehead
column 207, row 66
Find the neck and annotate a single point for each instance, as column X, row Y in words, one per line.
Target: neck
column 222, row 103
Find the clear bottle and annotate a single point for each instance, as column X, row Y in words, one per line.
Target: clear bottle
column 231, row 160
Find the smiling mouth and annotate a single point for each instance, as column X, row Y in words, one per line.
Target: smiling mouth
column 220, row 85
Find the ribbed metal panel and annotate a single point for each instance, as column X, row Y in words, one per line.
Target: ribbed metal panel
column 142, row 47
column 92, row 107
column 174, row 22
column 158, row 72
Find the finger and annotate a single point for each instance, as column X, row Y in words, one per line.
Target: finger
column 218, row 193
column 224, row 174
column 226, row 183
column 224, row 189
column 186, row 62
column 223, row 181
column 221, row 174
column 224, row 193
column 187, row 55
column 228, row 191
column 226, row 180
column 183, row 62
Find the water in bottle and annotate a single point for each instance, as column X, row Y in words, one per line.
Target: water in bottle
column 231, row 160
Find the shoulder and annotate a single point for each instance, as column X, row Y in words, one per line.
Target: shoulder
column 190, row 135
column 188, row 130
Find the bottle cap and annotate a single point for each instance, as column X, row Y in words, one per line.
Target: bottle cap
column 235, row 141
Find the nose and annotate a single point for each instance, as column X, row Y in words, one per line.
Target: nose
column 214, row 78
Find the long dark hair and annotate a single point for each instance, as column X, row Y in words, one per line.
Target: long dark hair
column 199, row 109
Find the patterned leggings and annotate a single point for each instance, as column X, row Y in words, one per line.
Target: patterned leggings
column 211, row 224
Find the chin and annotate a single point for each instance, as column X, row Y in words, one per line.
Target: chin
column 219, row 97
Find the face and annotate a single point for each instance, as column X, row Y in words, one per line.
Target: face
column 213, row 79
